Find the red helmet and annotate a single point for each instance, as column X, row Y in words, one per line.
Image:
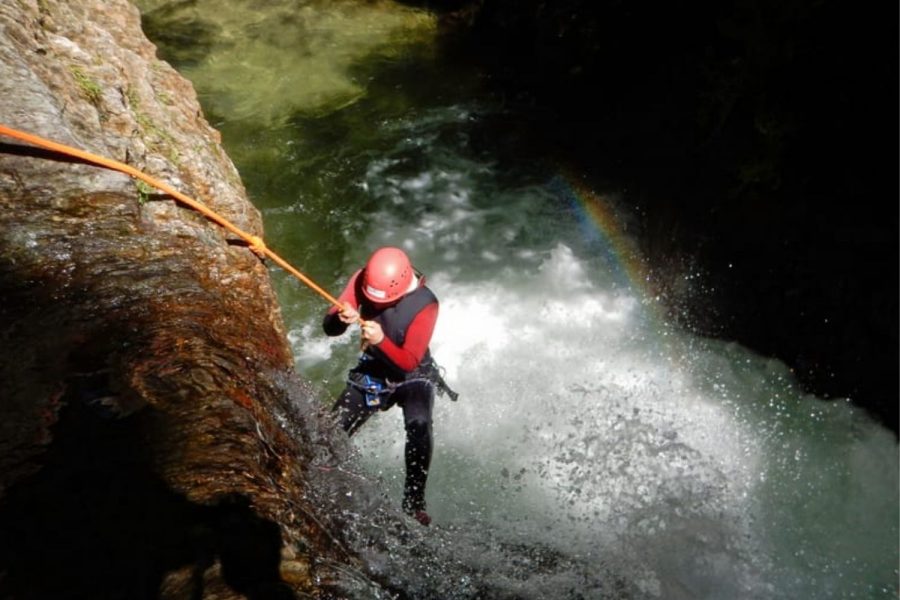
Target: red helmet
column 387, row 275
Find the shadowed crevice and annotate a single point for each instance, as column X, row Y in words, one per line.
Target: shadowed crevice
column 96, row 522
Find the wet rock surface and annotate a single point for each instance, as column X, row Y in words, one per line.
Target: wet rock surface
column 147, row 383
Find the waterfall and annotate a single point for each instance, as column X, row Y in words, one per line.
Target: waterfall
column 591, row 431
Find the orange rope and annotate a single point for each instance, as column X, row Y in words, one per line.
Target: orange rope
column 256, row 243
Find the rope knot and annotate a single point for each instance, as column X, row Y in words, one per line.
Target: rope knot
column 257, row 246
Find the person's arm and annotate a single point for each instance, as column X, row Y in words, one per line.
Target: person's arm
column 418, row 335
column 332, row 323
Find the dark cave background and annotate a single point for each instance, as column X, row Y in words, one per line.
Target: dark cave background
column 756, row 144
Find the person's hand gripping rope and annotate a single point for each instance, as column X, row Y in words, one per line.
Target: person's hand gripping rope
column 370, row 331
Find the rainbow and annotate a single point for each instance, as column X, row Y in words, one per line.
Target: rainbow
column 603, row 229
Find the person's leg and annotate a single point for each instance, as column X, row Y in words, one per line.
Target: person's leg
column 417, row 401
column 352, row 409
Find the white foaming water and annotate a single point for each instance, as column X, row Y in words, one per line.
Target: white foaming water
column 576, row 433
column 595, row 451
column 677, row 467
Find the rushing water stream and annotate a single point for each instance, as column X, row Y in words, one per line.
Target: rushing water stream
column 595, row 451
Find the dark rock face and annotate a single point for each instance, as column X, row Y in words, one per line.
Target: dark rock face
column 146, row 376
column 750, row 139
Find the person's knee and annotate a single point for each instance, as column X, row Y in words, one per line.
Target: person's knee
column 418, row 429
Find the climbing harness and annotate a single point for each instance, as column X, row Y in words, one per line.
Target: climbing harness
column 377, row 389
column 255, row 243
column 373, row 389
column 442, row 386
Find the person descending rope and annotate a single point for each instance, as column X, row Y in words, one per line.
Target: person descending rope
column 397, row 314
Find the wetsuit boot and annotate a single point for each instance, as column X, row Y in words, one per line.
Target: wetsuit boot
column 418, row 459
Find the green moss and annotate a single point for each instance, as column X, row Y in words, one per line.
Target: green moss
column 90, row 88
column 144, row 191
column 158, row 139
column 165, row 98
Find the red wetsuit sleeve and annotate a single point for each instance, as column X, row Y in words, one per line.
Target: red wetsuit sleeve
column 332, row 324
column 418, row 335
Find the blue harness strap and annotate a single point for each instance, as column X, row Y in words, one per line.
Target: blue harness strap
column 372, row 387
column 376, row 390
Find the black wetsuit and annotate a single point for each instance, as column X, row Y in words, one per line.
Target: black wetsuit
column 377, row 383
